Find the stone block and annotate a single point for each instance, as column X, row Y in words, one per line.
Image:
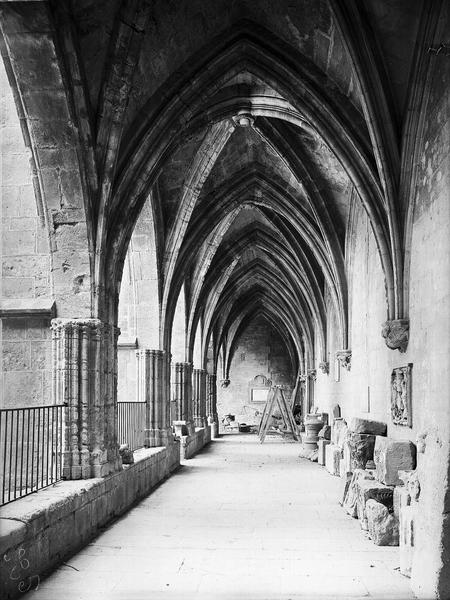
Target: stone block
column 391, row 456
column 382, row 524
column 372, row 490
column 358, row 425
column 322, row 446
column 333, row 455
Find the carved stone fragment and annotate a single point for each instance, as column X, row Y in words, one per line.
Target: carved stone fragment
column 126, row 454
column 358, row 425
column 323, row 443
column 401, row 412
column 372, row 490
column 382, row 525
column 351, row 496
column 396, row 334
column 391, row 456
column 361, row 446
column 345, row 359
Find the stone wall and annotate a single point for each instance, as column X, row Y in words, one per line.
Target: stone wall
column 26, row 366
column 260, row 351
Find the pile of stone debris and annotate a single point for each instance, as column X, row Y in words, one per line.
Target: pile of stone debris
column 379, row 481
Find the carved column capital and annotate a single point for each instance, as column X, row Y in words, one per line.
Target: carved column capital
column 396, row 334
column 312, row 373
column 324, row 367
column 345, row 358
column 224, row 383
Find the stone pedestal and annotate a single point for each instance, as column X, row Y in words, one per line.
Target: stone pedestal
column 313, row 424
column 84, row 378
column 211, row 402
column 182, row 397
column 153, row 389
column 199, row 397
column 392, row 456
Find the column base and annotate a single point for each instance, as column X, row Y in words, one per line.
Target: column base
column 157, row 437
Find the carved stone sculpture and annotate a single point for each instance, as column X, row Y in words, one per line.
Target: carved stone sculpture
column 126, row 454
column 345, row 358
column 396, row 334
column 224, row 383
column 401, row 396
column 324, row 367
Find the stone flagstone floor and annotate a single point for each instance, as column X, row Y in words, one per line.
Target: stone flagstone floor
column 241, row 521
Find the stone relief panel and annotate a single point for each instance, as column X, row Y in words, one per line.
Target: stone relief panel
column 401, row 405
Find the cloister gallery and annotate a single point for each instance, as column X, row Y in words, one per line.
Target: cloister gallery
column 205, row 203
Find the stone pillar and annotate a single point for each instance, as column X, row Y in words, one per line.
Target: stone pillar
column 85, row 380
column 199, row 397
column 153, row 389
column 310, row 385
column 211, row 398
column 182, row 394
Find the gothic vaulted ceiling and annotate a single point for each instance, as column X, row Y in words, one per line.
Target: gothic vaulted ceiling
column 251, row 126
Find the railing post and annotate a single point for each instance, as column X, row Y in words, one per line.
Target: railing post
column 199, row 393
column 84, row 378
column 182, row 396
column 153, row 389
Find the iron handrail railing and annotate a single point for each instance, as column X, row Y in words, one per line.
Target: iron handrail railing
column 131, row 424
column 31, row 448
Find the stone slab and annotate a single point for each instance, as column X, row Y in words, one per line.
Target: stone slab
column 392, row 456
column 359, row 425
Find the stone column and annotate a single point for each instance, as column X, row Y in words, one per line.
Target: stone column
column 85, row 380
column 211, row 398
column 182, row 394
column 310, row 384
column 153, row 389
column 199, row 397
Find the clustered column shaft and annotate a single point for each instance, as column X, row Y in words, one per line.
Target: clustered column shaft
column 211, row 398
column 199, row 397
column 182, row 394
column 153, row 389
column 84, row 378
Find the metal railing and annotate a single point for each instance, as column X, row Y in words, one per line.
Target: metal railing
column 31, row 443
column 131, row 424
